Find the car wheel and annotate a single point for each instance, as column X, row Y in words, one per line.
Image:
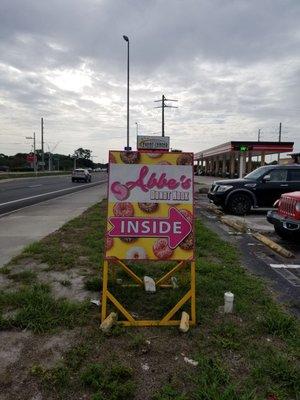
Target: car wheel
column 284, row 233
column 239, row 204
column 73, row 180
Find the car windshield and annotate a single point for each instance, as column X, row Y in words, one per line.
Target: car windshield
column 257, row 173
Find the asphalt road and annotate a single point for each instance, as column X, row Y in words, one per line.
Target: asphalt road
column 21, row 192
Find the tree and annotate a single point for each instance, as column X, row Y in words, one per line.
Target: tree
column 83, row 153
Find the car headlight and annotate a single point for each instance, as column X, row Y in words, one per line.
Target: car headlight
column 223, row 188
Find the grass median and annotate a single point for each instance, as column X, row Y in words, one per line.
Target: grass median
column 250, row 354
column 12, row 175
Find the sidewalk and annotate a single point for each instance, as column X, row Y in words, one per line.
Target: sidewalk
column 32, row 223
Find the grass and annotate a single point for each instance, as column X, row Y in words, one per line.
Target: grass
column 93, row 284
column 13, row 175
column 168, row 392
column 108, row 383
column 38, row 311
column 249, row 355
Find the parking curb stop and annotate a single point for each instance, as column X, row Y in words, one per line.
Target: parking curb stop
column 274, row 246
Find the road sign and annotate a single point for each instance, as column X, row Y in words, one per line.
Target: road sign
column 150, row 206
column 30, row 158
column 153, row 142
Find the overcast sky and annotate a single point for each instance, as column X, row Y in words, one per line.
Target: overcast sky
column 233, row 65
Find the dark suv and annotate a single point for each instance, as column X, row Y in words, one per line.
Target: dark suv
column 260, row 188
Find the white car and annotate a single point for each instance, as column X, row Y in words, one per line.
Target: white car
column 81, row 174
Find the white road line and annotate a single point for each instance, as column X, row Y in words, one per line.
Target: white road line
column 34, row 186
column 45, row 194
column 287, row 266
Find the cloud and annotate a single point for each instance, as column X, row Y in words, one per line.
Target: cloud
column 233, row 65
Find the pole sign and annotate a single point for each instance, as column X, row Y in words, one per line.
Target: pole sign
column 31, row 158
column 150, row 206
column 153, row 143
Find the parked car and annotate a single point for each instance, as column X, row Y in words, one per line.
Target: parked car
column 4, row 168
column 81, row 174
column 286, row 219
column 261, row 188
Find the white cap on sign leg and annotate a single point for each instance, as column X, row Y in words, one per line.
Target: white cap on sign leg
column 228, row 302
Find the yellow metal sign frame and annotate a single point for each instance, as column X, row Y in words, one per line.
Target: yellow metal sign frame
column 166, row 320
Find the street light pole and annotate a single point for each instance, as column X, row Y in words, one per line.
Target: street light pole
column 34, row 156
column 128, row 148
column 34, row 151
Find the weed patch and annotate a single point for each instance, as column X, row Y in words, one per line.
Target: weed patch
column 40, row 312
column 169, row 393
column 113, row 382
column 93, row 284
column 275, row 322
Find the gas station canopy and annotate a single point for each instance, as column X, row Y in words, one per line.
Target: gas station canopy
column 235, row 157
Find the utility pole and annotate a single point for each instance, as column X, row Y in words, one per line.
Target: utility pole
column 163, row 106
column 42, row 144
column 258, row 139
column 49, row 161
column 279, row 140
column 279, row 133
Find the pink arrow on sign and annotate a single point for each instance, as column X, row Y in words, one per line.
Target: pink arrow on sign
column 175, row 227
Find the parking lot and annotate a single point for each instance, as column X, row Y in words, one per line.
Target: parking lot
column 281, row 274
column 255, row 221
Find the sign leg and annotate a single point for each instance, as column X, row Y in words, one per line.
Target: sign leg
column 193, row 290
column 104, row 290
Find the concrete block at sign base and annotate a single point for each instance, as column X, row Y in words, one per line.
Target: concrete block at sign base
column 184, row 322
column 149, row 284
column 109, row 321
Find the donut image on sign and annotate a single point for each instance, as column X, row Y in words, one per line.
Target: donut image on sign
column 109, row 242
column 128, row 239
column 148, row 207
column 162, row 250
column 154, row 155
column 187, row 243
column 136, row 253
column 123, row 209
column 185, row 159
column 130, row 157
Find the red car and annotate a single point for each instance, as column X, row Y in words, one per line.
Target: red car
column 286, row 219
